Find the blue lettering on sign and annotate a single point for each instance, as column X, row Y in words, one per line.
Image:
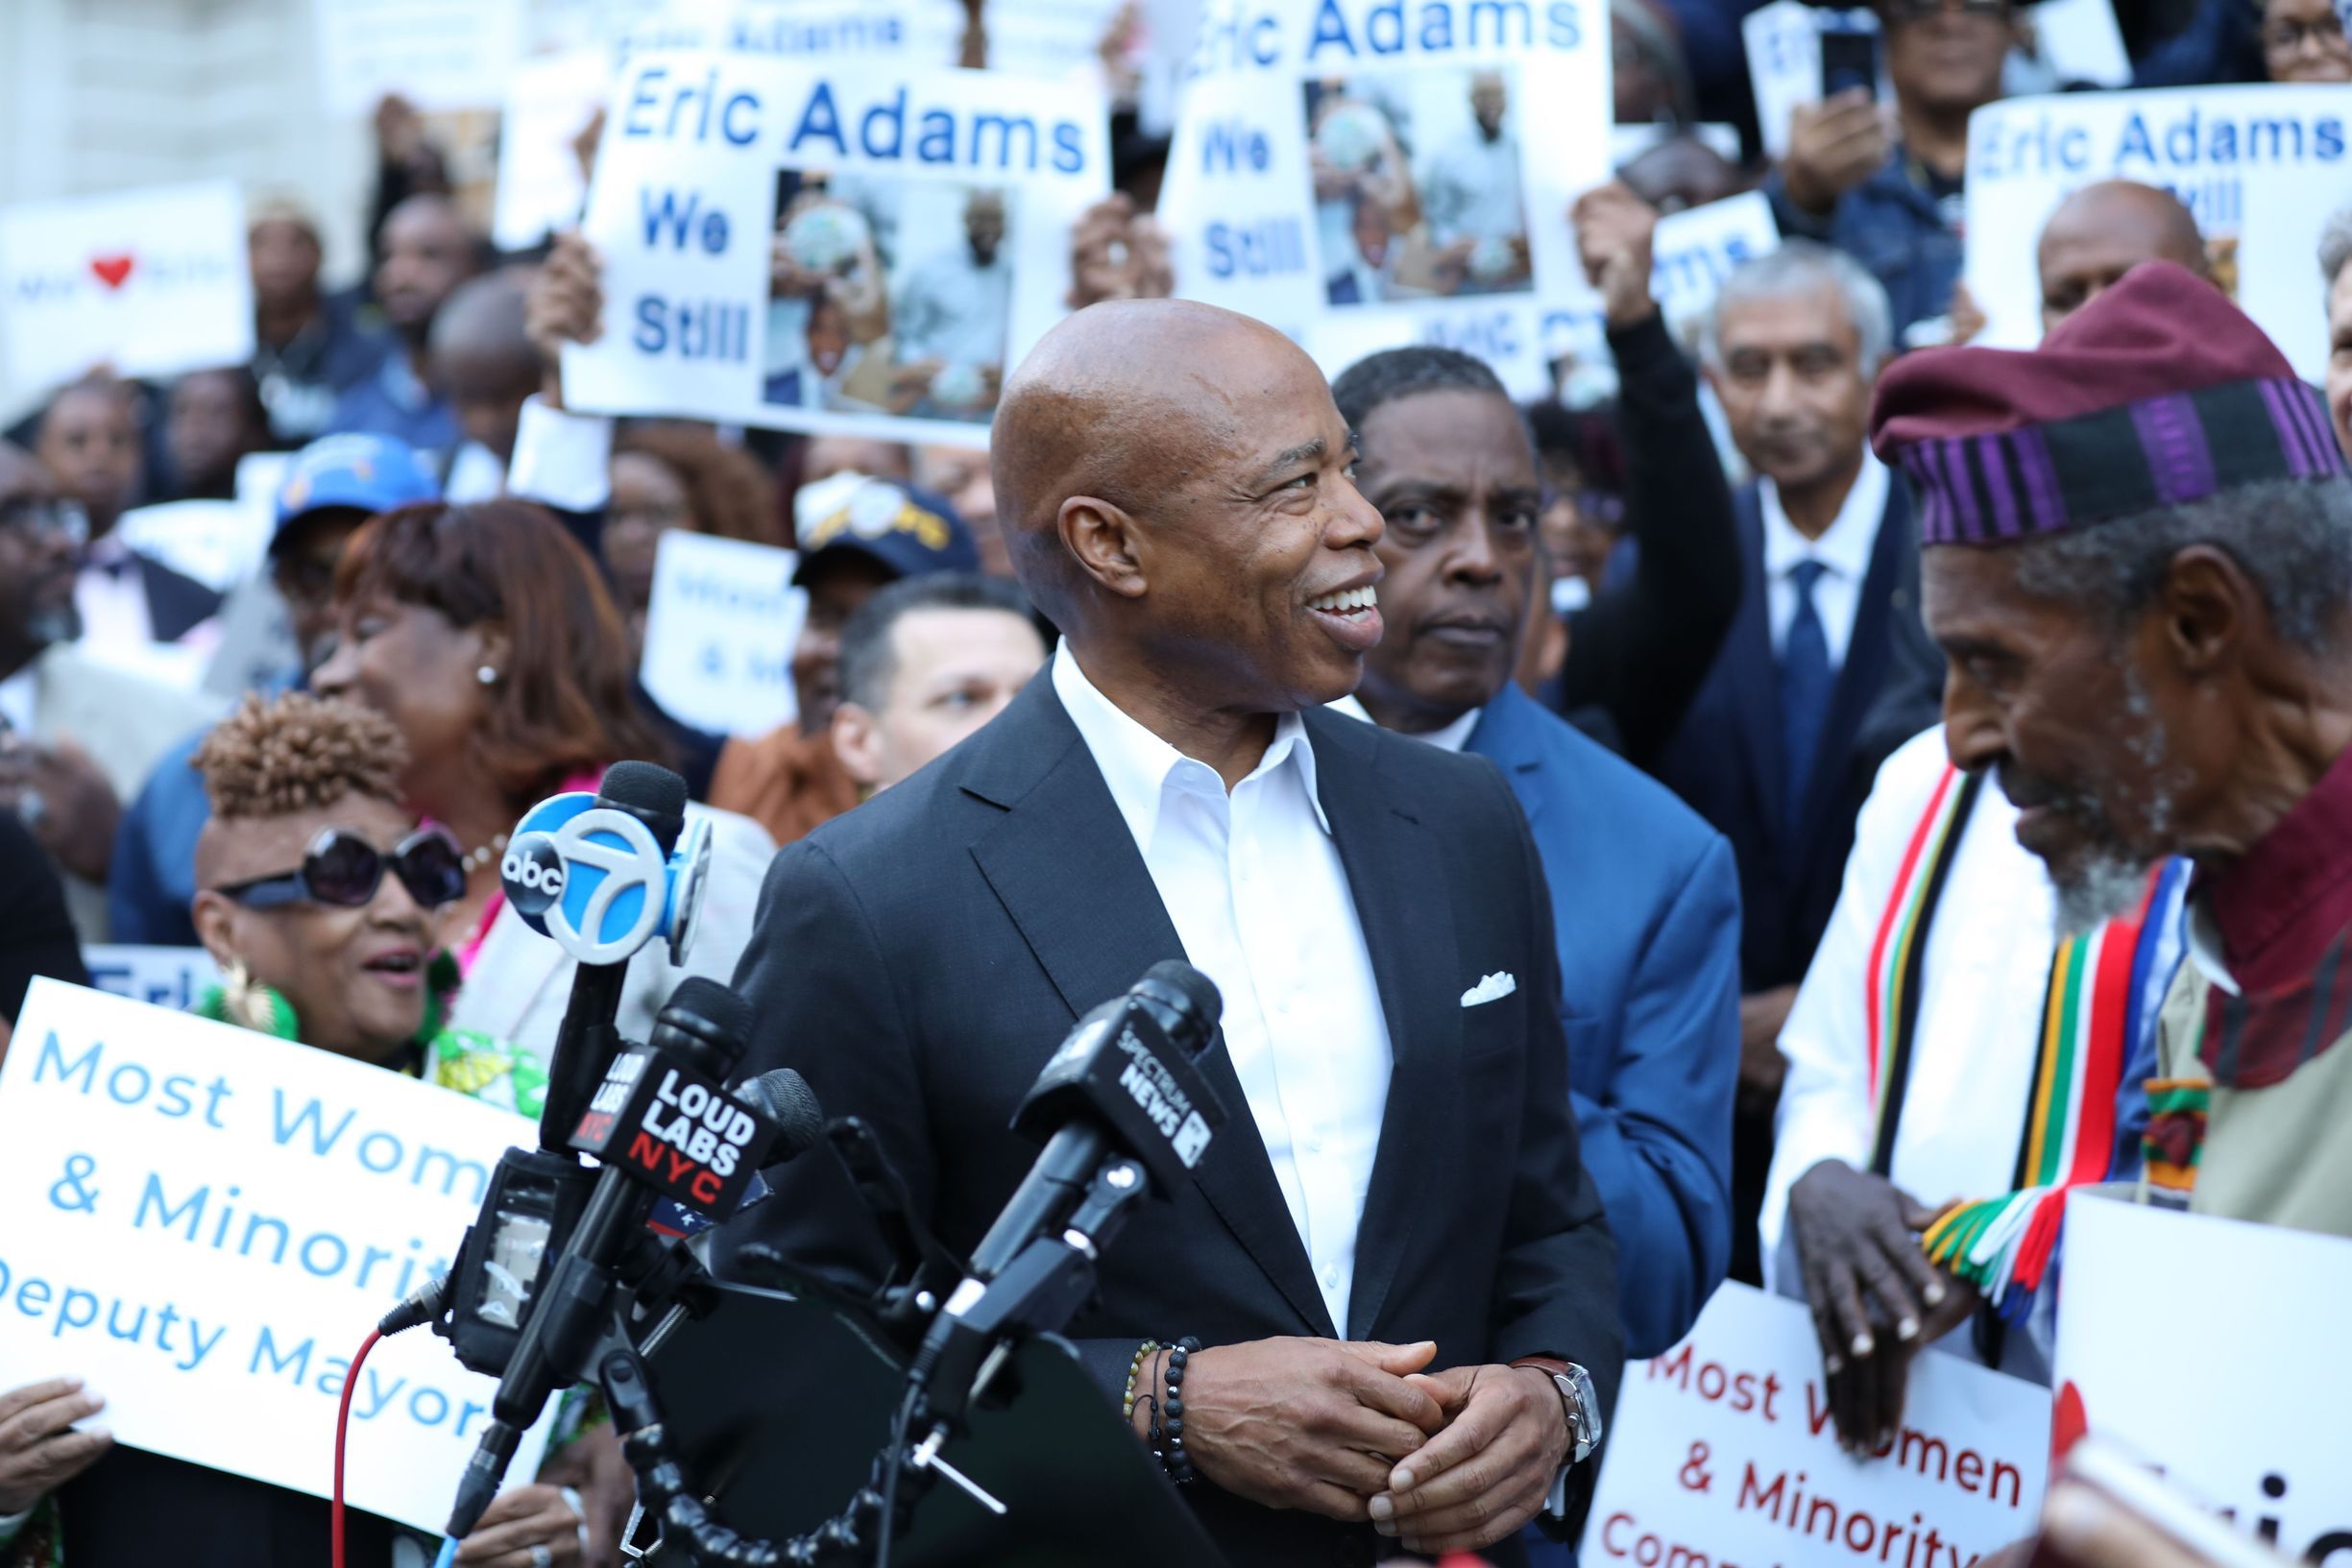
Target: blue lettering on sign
column 128, row 1083
column 694, row 110
column 1228, row 143
column 693, row 329
column 1492, row 335
column 1259, row 250
column 991, row 139
column 1437, row 27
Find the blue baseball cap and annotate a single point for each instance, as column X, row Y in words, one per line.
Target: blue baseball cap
column 369, row 473
column 910, row 530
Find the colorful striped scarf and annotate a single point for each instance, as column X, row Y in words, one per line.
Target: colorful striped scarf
column 2089, row 1016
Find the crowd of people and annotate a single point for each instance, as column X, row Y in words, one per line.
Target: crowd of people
column 1633, row 854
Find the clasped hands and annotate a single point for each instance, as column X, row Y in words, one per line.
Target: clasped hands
column 1356, row 1430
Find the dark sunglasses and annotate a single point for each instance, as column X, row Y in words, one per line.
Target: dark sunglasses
column 343, row 869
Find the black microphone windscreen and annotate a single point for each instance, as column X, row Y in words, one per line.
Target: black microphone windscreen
column 651, row 790
column 721, row 1014
column 1193, row 986
column 786, row 1098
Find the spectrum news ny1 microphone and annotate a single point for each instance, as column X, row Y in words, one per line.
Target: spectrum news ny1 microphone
column 597, row 874
column 1127, row 1113
column 666, row 1126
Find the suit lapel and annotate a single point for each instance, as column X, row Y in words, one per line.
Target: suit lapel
column 1410, row 936
column 1506, row 735
column 1068, row 873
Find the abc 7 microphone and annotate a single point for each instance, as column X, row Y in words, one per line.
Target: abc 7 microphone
column 665, row 1127
column 1121, row 1110
column 603, row 876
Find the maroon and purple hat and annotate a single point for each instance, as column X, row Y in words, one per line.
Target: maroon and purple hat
column 2158, row 393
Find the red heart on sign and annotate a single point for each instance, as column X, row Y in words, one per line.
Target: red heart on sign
column 111, row 270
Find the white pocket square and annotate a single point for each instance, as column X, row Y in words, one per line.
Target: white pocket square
column 1493, row 988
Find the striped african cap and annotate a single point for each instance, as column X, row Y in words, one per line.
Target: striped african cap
column 2157, row 393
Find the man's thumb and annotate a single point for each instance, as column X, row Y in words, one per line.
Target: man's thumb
column 1396, row 1359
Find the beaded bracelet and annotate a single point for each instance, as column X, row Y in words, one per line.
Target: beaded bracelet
column 1135, row 1370
column 1177, row 1463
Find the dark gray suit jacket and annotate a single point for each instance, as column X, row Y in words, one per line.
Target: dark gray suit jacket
column 919, row 958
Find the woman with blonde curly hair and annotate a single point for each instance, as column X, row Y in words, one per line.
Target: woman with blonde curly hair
column 318, row 896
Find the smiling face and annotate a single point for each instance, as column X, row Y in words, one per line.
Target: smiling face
column 1256, row 574
column 1455, row 480
column 409, row 664
column 355, row 978
column 2083, row 727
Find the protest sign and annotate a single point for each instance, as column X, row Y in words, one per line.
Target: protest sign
column 2260, row 169
column 1696, row 249
column 1364, row 174
column 437, row 54
column 150, row 282
column 720, row 629
column 2080, row 41
column 550, row 101
column 1691, row 252
column 1784, row 42
column 807, row 29
column 171, row 977
column 2256, row 1419
column 220, row 544
column 1723, row 1452
column 204, row 1222
column 789, row 245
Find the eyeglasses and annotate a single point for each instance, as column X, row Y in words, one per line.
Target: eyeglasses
column 62, row 519
column 343, row 869
column 2285, row 38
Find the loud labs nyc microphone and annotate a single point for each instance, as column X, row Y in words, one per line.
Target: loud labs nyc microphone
column 1123, row 1102
column 666, row 1126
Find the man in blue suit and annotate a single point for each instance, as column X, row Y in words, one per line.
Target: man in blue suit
column 1826, row 667
column 1644, row 895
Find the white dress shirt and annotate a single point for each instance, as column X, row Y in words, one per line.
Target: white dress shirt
column 1843, row 549
column 1472, row 190
column 1253, row 885
column 1987, row 968
column 1450, row 738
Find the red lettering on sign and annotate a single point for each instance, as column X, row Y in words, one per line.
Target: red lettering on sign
column 644, row 1150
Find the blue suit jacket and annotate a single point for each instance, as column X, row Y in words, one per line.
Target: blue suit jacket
column 1645, row 907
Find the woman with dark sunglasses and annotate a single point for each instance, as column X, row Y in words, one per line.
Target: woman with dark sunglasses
column 319, row 897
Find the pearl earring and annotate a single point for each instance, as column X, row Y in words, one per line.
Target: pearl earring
column 487, row 675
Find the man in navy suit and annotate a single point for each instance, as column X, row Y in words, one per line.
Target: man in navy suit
column 1396, row 1188
column 1645, row 895
column 1779, row 748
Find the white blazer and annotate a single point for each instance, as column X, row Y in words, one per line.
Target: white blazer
column 521, row 981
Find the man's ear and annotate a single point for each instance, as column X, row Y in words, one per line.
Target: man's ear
column 2207, row 606
column 857, row 740
column 1105, row 543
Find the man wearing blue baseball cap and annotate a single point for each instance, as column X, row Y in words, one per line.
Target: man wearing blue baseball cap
column 330, row 488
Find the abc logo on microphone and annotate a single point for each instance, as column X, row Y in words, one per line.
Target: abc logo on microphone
column 532, row 873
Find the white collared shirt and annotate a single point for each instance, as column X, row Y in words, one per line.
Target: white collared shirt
column 1843, row 549
column 112, row 603
column 1253, row 884
column 1452, row 737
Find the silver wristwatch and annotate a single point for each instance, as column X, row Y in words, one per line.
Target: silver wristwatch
column 1578, row 1401
column 1584, row 1411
